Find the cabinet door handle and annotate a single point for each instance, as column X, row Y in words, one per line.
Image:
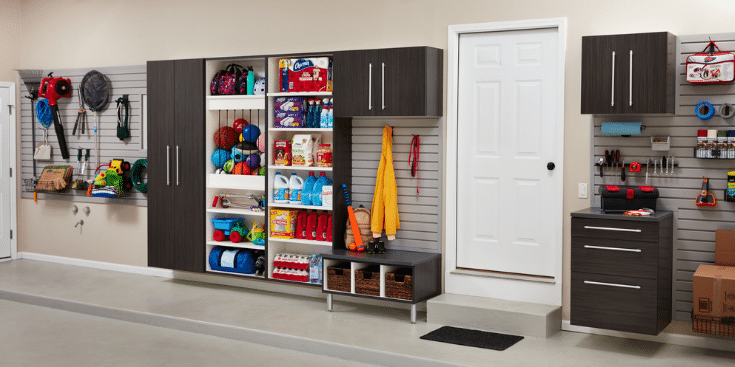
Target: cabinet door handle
column 613, row 248
column 370, row 86
column 613, row 229
column 612, row 89
column 168, row 165
column 630, row 81
column 177, row 166
column 383, row 84
column 613, row 284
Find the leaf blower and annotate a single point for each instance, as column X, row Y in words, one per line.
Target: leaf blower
column 705, row 198
column 54, row 89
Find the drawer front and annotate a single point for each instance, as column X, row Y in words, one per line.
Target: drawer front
column 615, row 229
column 615, row 257
column 614, row 302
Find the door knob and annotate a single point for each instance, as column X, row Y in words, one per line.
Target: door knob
column 550, row 166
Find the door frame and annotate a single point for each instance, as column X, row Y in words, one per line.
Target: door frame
column 13, row 165
column 484, row 284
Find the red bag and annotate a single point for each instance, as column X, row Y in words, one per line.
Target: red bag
column 710, row 67
column 226, row 81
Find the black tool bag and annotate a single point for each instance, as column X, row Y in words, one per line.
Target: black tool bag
column 618, row 199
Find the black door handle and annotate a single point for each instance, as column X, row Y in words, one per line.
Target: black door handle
column 550, row 166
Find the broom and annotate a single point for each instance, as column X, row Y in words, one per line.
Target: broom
column 32, row 81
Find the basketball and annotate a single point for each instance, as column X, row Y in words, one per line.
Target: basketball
column 220, row 157
column 225, row 137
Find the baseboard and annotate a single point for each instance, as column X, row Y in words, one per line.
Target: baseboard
column 698, row 341
column 141, row 270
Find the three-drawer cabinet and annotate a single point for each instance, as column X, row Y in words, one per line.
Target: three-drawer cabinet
column 621, row 271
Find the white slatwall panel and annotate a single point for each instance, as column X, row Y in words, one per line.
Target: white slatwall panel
column 694, row 227
column 420, row 216
column 123, row 80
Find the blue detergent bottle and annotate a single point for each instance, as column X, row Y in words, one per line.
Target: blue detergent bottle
column 306, row 189
column 316, row 191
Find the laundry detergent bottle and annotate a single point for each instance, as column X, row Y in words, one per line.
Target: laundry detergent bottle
column 280, row 189
column 301, row 225
column 311, row 222
column 296, row 185
column 316, row 191
column 321, row 227
column 306, row 189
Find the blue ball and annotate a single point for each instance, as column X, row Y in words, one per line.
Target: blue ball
column 253, row 161
column 220, row 157
column 250, row 133
column 238, row 155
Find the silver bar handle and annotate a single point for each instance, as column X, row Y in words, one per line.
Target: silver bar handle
column 177, row 166
column 613, row 229
column 370, row 87
column 613, row 284
column 168, row 165
column 612, row 248
column 612, row 89
column 630, row 81
column 383, row 76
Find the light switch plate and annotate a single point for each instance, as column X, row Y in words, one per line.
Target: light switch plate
column 583, row 190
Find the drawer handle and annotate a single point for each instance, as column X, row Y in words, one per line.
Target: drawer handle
column 613, row 229
column 613, row 284
column 613, row 248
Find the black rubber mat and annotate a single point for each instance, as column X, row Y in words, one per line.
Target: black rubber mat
column 472, row 338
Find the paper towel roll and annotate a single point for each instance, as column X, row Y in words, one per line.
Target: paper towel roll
column 622, row 128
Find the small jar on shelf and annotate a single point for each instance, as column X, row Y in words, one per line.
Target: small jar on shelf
column 324, row 155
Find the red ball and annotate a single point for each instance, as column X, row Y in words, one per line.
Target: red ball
column 239, row 124
column 225, row 137
column 241, row 169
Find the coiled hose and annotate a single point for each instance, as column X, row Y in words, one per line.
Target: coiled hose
column 136, row 174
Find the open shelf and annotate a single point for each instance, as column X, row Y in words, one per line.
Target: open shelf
column 301, row 242
column 238, row 182
column 236, row 102
column 247, row 245
column 235, row 274
column 236, row 211
column 302, row 129
column 294, row 282
column 300, row 94
column 298, row 206
column 300, row 168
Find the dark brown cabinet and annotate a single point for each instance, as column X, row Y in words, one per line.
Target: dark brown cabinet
column 176, row 160
column 621, row 271
column 388, row 82
column 628, row 73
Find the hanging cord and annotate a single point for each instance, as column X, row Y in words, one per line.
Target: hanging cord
column 123, row 106
column 43, row 113
column 413, row 159
column 136, row 175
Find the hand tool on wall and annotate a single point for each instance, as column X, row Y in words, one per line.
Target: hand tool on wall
column 648, row 160
column 672, row 164
column 622, row 172
column 705, row 198
column 81, row 116
column 664, row 162
column 54, row 89
column 600, row 162
column 32, row 80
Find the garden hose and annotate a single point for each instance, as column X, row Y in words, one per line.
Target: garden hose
column 136, row 175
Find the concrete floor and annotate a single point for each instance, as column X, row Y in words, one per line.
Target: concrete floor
column 192, row 316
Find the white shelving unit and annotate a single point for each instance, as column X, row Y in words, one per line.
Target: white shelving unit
column 301, row 242
column 236, row 212
column 248, row 245
column 302, row 129
column 236, row 182
column 300, row 168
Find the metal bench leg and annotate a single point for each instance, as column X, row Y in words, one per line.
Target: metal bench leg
column 329, row 302
column 413, row 313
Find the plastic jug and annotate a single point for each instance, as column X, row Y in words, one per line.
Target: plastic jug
column 295, row 186
column 311, row 226
column 329, row 229
column 301, row 226
column 316, row 191
column 321, row 227
column 280, row 189
column 306, row 190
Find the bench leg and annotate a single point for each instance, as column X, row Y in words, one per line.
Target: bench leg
column 329, row 302
column 413, row 313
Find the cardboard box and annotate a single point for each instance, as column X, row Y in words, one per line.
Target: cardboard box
column 725, row 247
column 714, row 291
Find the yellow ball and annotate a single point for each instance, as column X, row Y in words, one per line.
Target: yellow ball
column 241, row 138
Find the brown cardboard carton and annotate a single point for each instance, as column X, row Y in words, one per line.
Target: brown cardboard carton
column 714, row 291
column 725, row 247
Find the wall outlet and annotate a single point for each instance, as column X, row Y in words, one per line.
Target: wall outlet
column 583, row 190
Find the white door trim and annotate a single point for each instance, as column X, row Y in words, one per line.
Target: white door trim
column 452, row 276
column 13, row 186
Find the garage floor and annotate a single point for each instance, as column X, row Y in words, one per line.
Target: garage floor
column 95, row 317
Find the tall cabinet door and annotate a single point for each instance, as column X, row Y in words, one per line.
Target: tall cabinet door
column 161, row 147
column 189, row 165
column 354, row 75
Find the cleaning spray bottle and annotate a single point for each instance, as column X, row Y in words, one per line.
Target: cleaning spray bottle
column 324, row 116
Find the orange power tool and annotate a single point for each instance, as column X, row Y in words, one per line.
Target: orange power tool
column 705, row 198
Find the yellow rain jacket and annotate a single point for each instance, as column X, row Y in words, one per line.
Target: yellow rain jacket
column 385, row 199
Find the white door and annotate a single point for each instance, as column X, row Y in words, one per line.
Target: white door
column 507, row 214
column 5, row 194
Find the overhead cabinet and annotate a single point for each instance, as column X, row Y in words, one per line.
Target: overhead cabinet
column 176, row 161
column 388, row 82
column 628, row 73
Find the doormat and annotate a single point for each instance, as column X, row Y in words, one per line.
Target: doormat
column 473, row 338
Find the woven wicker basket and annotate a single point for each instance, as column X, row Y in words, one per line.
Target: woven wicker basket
column 399, row 284
column 367, row 280
column 338, row 277
column 713, row 325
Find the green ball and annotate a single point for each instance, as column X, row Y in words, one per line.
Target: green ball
column 228, row 165
column 262, row 171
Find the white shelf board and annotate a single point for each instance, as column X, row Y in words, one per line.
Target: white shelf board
column 300, row 94
column 238, row 102
column 236, row 211
column 233, row 273
column 239, row 182
column 300, row 129
column 227, row 243
column 298, row 206
column 302, row 242
column 299, row 168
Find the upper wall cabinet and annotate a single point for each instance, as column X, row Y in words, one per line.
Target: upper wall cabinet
column 628, row 73
column 389, row 82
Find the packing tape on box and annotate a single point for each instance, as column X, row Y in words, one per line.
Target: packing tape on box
column 622, row 128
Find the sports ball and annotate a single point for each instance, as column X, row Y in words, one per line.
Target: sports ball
column 241, row 169
column 261, row 143
column 225, row 137
column 228, row 165
column 262, row 171
column 262, row 158
column 259, row 87
column 253, row 161
column 239, row 124
column 238, row 154
column 255, row 171
column 250, row 134
column 220, row 157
